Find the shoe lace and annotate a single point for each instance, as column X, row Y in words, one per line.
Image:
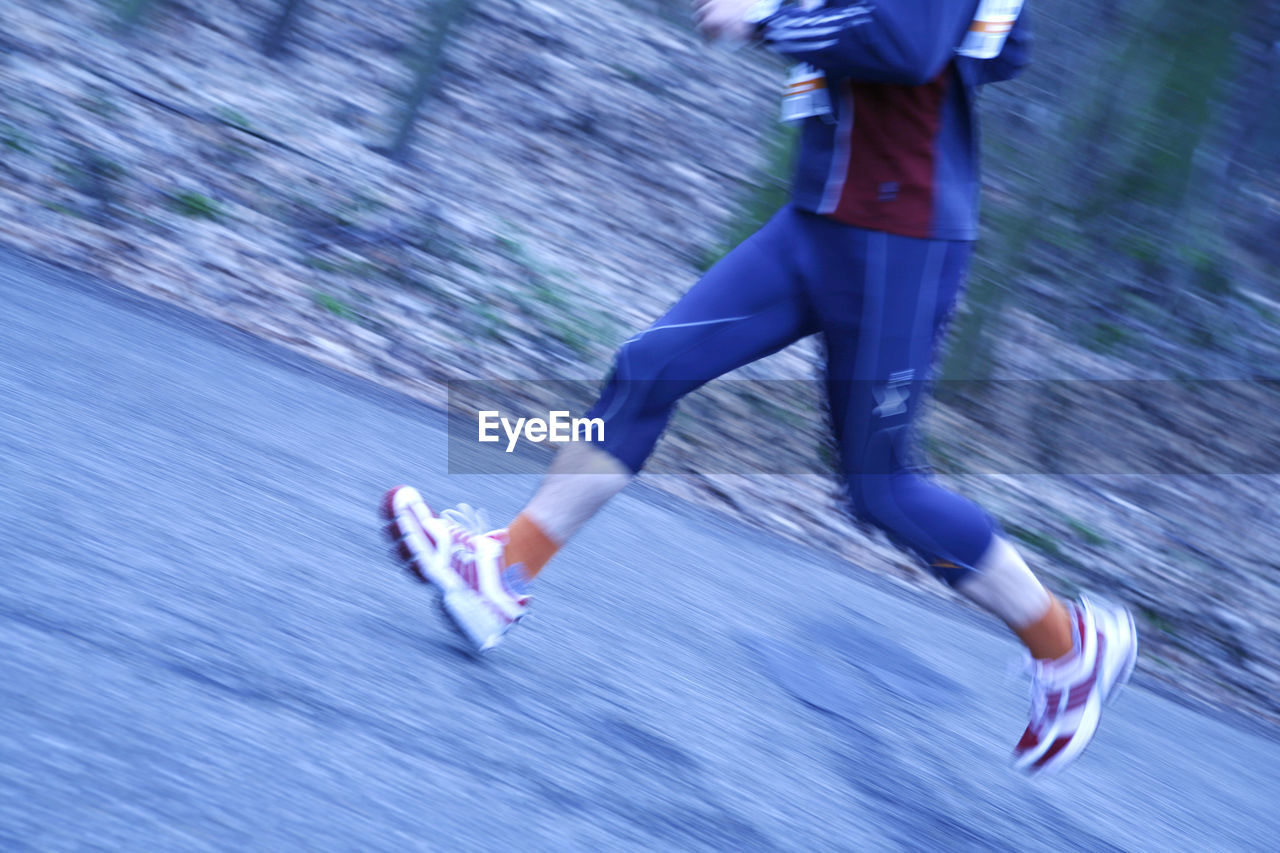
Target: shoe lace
column 472, row 521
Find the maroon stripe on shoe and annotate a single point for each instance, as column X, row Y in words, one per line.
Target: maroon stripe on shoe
column 1058, row 745
column 1081, row 692
column 1079, row 624
column 466, row 569
column 425, row 532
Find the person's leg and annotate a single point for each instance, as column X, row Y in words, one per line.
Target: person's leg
column 879, row 356
column 881, row 329
column 751, row 304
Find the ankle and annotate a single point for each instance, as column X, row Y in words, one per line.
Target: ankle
column 528, row 548
column 1049, row 638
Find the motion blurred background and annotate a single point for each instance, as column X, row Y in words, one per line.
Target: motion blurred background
column 422, row 192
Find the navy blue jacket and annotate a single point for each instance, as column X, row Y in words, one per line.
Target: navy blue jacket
column 899, row 153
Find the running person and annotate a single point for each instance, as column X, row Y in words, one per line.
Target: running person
column 870, row 253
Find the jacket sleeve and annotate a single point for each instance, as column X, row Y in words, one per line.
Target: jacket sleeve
column 1014, row 56
column 906, row 42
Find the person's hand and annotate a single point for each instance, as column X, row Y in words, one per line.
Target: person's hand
column 724, row 20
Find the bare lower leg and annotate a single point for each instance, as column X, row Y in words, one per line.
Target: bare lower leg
column 528, row 545
column 1004, row 586
column 1048, row 637
column 582, row 478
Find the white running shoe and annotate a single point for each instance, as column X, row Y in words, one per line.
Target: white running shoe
column 480, row 595
column 1067, row 695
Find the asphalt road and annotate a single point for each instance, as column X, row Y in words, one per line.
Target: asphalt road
column 204, row 646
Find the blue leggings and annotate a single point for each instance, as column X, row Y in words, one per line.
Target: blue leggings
column 880, row 302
